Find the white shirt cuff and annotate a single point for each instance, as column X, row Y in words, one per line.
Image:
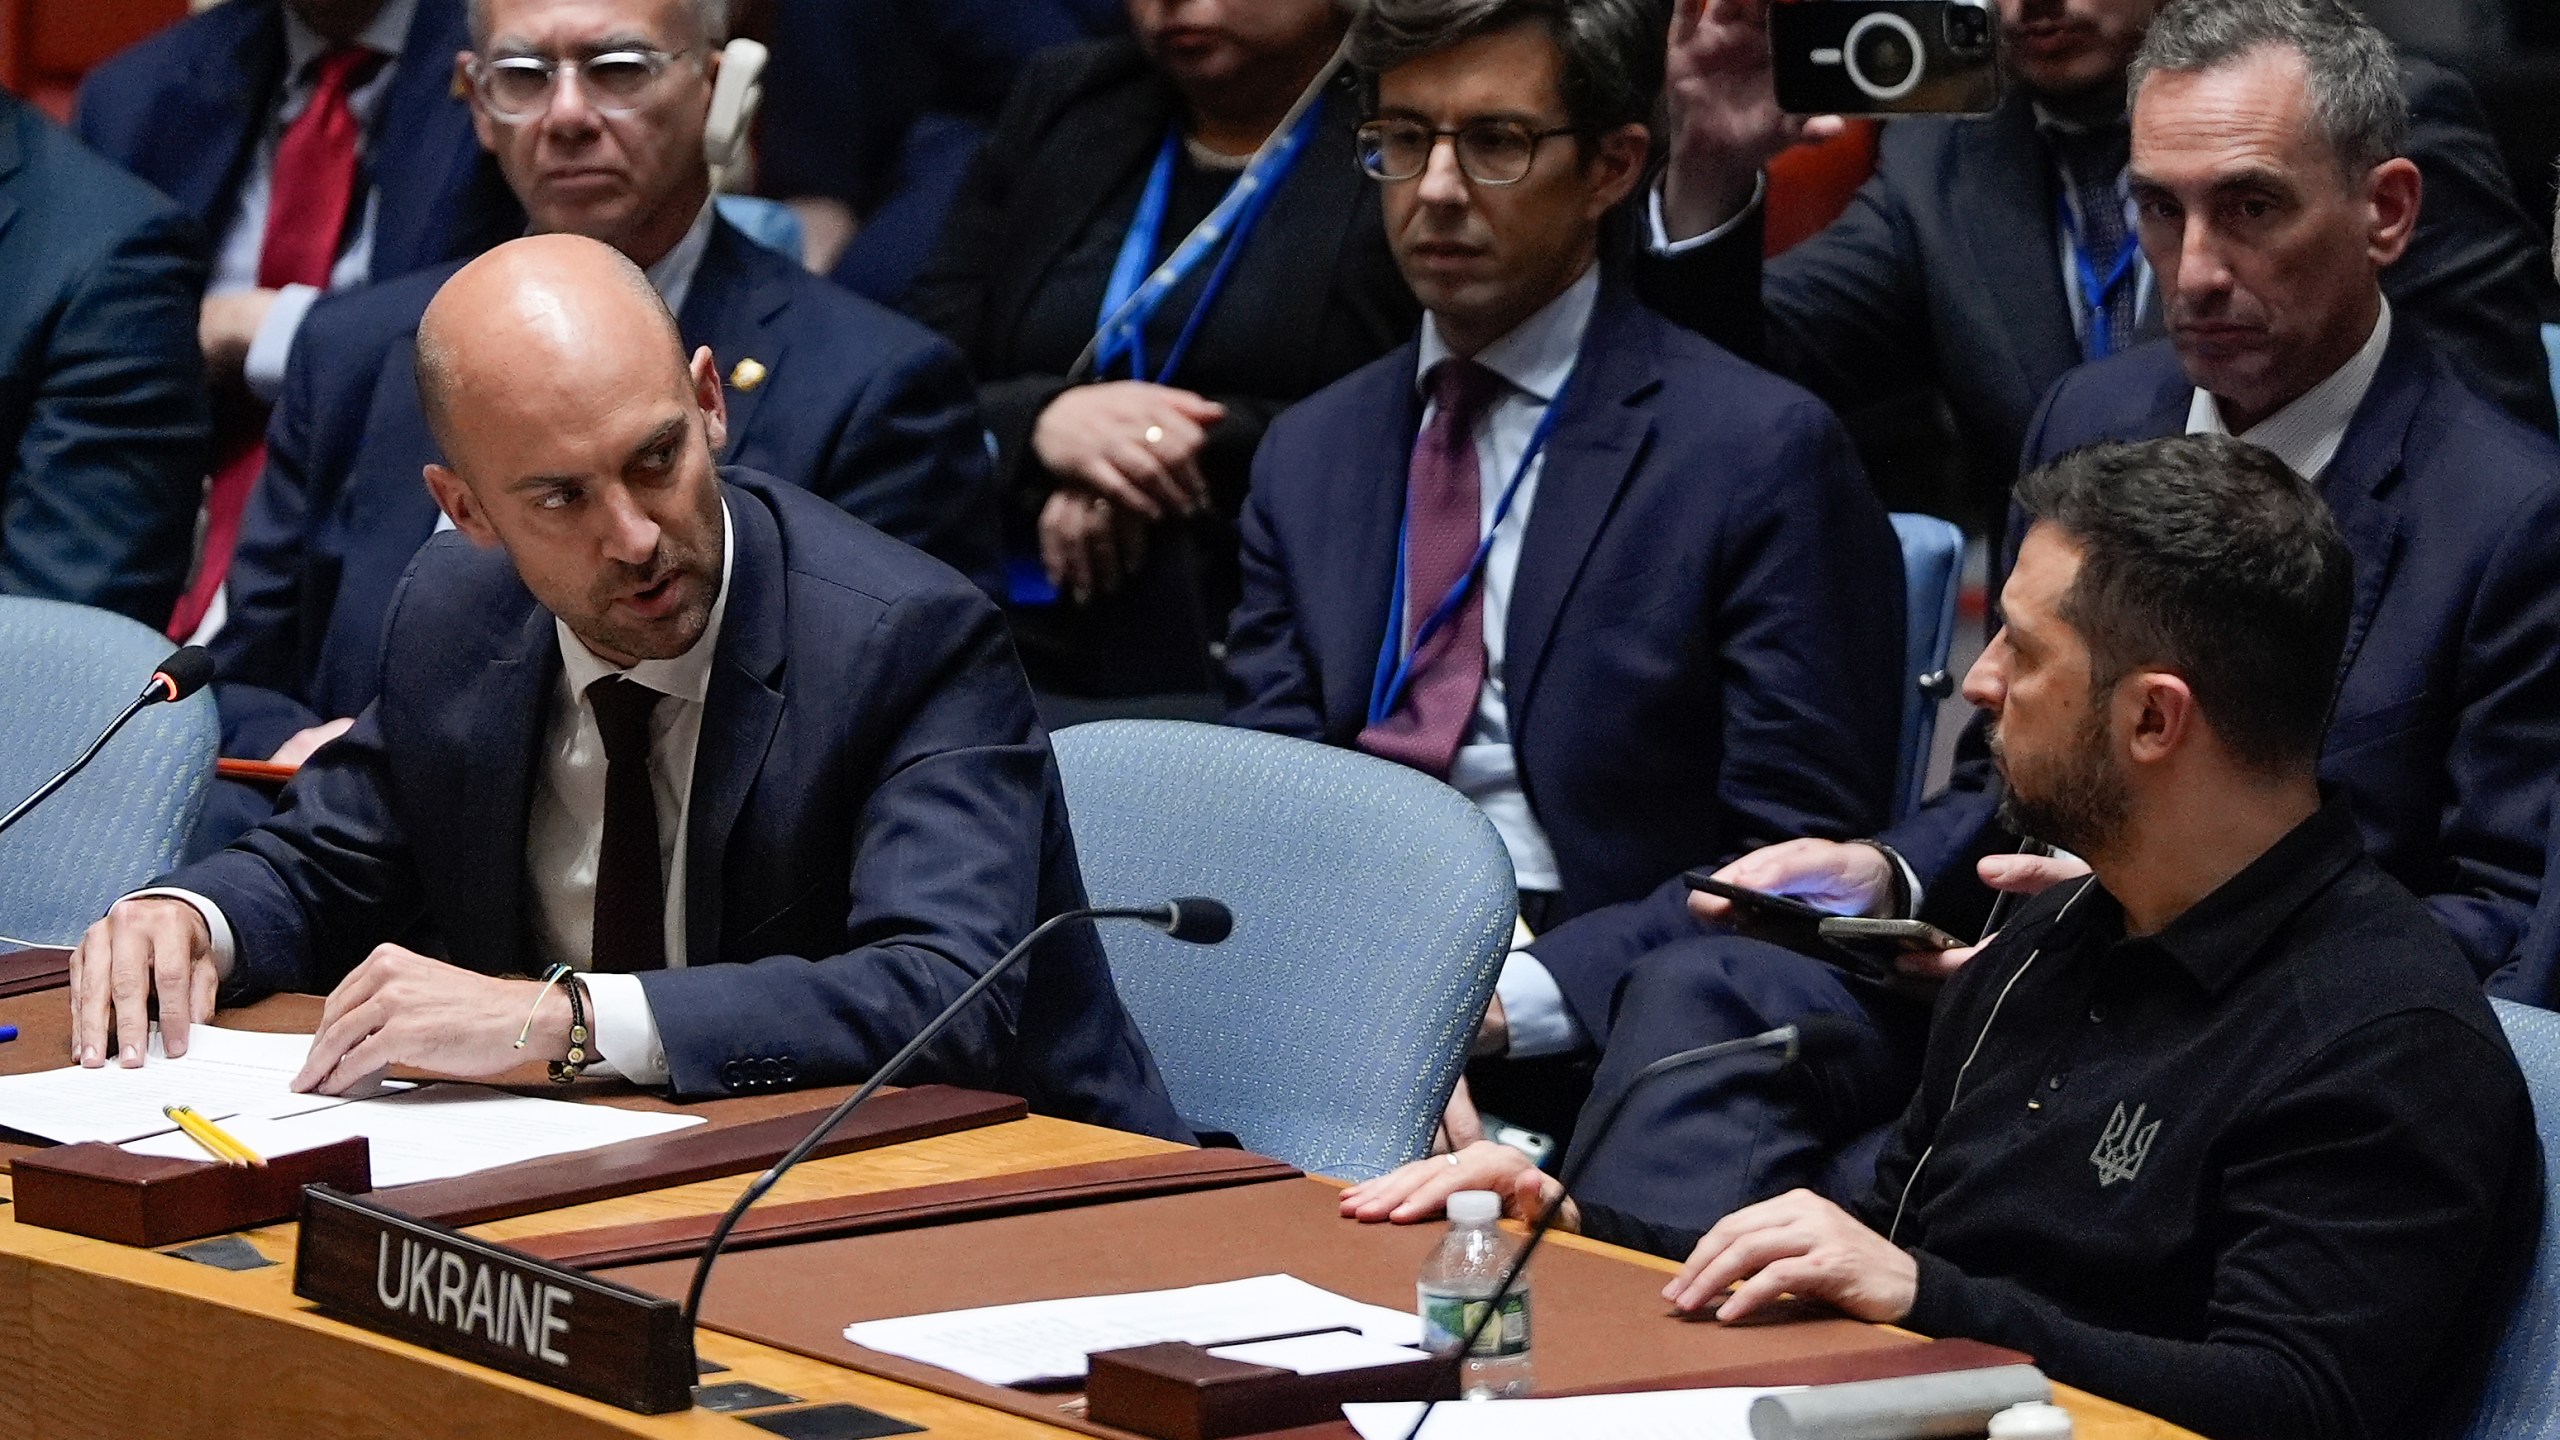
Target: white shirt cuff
column 1910, row 880
column 1533, row 1006
column 1659, row 239
column 225, row 949
column 273, row 345
column 626, row 1032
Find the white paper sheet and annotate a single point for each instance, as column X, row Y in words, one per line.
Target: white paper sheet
column 1322, row 1353
column 225, row 1075
column 1645, row 1415
column 439, row 1131
column 1048, row 1339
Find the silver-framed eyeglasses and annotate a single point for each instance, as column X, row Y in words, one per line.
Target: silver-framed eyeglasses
column 1490, row 152
column 616, row 82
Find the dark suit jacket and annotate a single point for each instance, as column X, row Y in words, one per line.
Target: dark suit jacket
column 1945, row 272
column 875, row 818
column 103, row 420
column 186, row 108
column 860, row 405
column 2448, row 708
column 1704, row 643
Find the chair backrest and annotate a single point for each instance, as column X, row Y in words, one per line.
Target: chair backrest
column 68, row 669
column 769, row 223
column 2551, row 346
column 1932, row 572
column 2522, row 1398
column 1373, row 907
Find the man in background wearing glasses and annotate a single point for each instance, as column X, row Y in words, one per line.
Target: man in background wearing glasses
column 1630, row 594
column 596, row 113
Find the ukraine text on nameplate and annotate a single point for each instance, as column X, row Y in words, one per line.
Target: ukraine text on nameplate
column 434, row 1286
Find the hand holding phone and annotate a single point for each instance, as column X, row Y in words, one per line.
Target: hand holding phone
column 1886, row 57
column 1859, row 932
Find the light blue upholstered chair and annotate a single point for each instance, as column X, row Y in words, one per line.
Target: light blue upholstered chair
column 65, row 670
column 1373, row 907
column 1932, row 572
column 2522, row 1401
column 2551, row 346
column 769, row 223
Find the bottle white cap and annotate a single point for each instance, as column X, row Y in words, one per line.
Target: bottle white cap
column 2032, row 1421
column 1475, row 1207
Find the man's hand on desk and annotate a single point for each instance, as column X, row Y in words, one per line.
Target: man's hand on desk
column 144, row 946
column 1798, row 1244
column 401, row 1008
column 1420, row 1191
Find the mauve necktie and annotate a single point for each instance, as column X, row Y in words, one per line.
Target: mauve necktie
column 631, row 888
column 1444, row 523
column 308, row 203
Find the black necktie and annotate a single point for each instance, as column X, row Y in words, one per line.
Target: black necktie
column 631, row 890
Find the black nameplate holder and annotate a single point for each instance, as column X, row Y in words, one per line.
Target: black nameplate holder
column 434, row 1286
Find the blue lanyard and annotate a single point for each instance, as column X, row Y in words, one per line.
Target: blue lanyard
column 1394, row 674
column 2095, row 293
column 1134, row 294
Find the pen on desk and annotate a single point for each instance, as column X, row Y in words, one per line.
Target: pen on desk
column 224, row 1146
column 8, row 1033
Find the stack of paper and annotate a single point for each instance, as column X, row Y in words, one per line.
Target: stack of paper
column 440, row 1131
column 1643, row 1415
column 225, row 1075
column 1047, row 1340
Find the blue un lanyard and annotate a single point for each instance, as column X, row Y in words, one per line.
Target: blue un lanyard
column 2096, row 292
column 1135, row 295
column 1394, row 673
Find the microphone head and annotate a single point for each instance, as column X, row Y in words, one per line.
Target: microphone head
column 1199, row 919
column 1819, row 1037
column 187, row 670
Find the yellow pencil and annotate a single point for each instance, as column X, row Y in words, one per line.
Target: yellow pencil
column 224, row 1146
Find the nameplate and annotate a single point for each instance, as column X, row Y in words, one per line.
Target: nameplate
column 437, row 1287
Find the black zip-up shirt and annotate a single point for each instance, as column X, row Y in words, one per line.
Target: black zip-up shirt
column 2269, row 1172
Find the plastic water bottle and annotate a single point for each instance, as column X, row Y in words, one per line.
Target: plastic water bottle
column 1458, row 1284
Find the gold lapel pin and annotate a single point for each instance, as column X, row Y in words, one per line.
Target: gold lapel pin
column 748, row 375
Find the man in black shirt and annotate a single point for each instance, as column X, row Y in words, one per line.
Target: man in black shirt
column 2225, row 1131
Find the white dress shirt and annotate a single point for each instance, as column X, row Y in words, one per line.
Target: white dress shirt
column 1535, row 360
column 2306, row 434
column 235, row 261
column 564, row 828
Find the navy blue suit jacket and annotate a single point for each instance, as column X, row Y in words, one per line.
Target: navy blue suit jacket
column 1704, row 643
column 2448, row 709
column 103, row 420
column 186, row 108
column 875, row 818
column 859, row 404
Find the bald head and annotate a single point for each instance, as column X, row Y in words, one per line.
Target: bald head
column 534, row 323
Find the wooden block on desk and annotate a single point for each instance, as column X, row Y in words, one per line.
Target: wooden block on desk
column 1182, row 1392
column 106, row 1193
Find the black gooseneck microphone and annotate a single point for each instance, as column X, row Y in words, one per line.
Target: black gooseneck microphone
column 1814, row 1035
column 1193, row 918
column 186, row 671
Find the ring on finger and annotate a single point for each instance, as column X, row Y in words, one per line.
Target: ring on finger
column 1101, row 504
column 1154, row 436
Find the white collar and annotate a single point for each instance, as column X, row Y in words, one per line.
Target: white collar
column 1538, row 355
column 385, row 36
column 2306, row 434
column 686, row 676
column 673, row 274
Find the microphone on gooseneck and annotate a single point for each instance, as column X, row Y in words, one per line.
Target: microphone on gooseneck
column 1193, row 918
column 186, row 671
column 1817, row 1036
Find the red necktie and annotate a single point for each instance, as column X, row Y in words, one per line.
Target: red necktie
column 313, row 190
column 1444, row 524
column 631, row 883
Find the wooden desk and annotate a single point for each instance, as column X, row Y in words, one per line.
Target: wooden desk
column 102, row 1339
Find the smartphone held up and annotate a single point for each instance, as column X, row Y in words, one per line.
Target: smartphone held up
column 1882, row 58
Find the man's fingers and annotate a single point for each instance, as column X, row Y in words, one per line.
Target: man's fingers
column 92, row 969
column 1935, row 964
column 2028, row 874
column 335, row 1039
column 1147, row 471
column 1104, row 476
column 1775, row 1279
column 205, row 985
column 129, row 990
column 172, row 976
column 367, row 1058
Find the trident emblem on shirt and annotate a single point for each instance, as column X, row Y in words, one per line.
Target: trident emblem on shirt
column 2121, row 1149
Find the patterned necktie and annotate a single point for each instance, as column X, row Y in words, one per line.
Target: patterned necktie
column 2093, row 163
column 631, row 885
column 1444, row 524
column 308, row 203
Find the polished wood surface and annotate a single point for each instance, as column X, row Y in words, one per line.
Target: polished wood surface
column 101, row 1338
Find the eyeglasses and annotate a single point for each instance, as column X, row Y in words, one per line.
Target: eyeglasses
column 1490, row 152
column 616, row 82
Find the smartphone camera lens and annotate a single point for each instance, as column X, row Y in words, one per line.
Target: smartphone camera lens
column 1968, row 29
column 1884, row 56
